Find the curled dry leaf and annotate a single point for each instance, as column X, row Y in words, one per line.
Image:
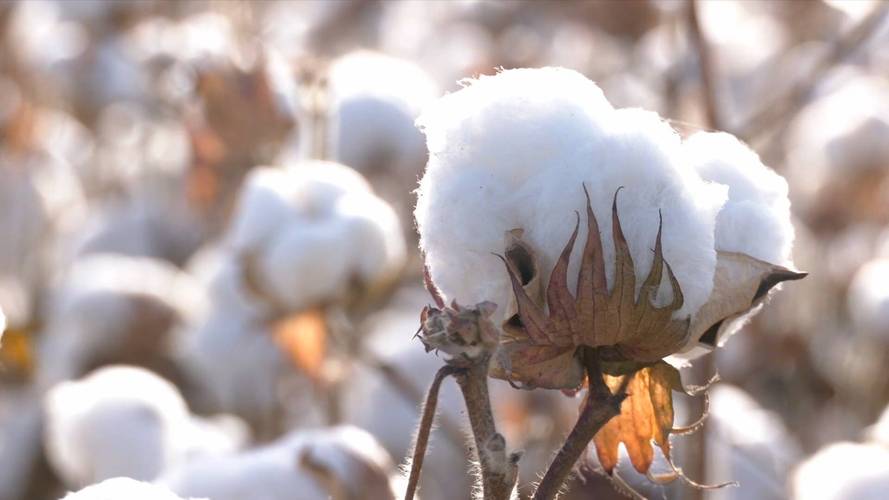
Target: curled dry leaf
column 464, row 333
column 303, row 338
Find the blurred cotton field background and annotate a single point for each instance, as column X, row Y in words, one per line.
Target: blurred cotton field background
column 209, row 270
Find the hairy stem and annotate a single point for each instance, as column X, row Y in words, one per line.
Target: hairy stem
column 498, row 471
column 425, row 429
column 599, row 407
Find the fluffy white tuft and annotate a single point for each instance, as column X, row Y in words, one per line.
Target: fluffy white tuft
column 756, row 218
column 121, row 487
column 375, row 99
column 513, row 151
column 868, row 299
column 350, row 456
column 310, row 229
column 844, row 471
column 125, row 421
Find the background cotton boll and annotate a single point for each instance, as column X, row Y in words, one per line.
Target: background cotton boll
column 515, row 150
column 308, row 230
column 879, row 431
column 126, row 421
column 121, row 487
column 296, row 462
column 112, row 308
column 868, row 299
column 843, row 471
column 756, row 218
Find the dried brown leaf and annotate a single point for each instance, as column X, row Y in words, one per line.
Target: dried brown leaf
column 303, row 337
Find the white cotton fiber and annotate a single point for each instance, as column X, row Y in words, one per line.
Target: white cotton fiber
column 868, row 299
column 310, row 229
column 513, row 151
column 756, row 218
column 374, row 100
column 121, row 488
column 844, row 471
column 352, row 458
column 126, row 421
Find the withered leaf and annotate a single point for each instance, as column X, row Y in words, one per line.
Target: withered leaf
column 303, row 338
column 646, row 416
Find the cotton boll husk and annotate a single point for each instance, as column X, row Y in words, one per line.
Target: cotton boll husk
column 120, row 487
column 351, row 456
column 513, row 150
column 127, row 421
column 843, row 471
column 756, row 218
column 868, row 299
column 310, row 229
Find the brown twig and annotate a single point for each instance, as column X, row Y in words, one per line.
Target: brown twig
column 778, row 110
column 406, row 388
column 424, row 429
column 599, row 407
column 499, row 472
column 706, row 67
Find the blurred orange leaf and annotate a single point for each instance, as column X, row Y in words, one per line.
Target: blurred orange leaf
column 303, row 337
column 16, row 352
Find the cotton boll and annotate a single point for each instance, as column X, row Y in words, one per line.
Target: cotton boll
column 843, row 471
column 308, row 230
column 348, row 456
column 126, row 421
column 756, row 218
column 113, row 308
column 121, row 487
column 515, row 150
column 879, row 432
column 868, row 299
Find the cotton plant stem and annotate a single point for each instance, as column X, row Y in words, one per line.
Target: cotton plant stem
column 499, row 472
column 406, row 388
column 599, row 407
column 425, row 428
column 706, row 65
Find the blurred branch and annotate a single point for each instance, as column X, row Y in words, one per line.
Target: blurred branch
column 787, row 105
column 425, row 429
column 599, row 407
column 706, row 66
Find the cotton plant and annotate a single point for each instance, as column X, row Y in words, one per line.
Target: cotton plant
column 336, row 462
column 679, row 241
column 127, row 421
column 121, row 487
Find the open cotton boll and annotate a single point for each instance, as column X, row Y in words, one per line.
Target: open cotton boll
column 843, row 471
column 309, row 229
column 756, row 218
column 126, row 421
column 374, row 100
column 115, row 308
column 514, row 150
column 121, row 487
column 868, row 299
column 298, row 463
